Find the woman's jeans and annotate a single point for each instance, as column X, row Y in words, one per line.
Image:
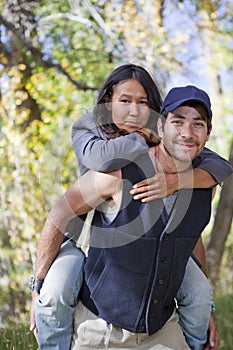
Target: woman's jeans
column 194, row 300
column 55, row 306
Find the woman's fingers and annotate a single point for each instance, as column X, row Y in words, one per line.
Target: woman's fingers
column 149, row 189
column 147, row 196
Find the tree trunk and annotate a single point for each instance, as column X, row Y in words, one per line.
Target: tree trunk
column 221, row 228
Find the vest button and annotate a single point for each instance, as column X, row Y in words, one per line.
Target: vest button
column 166, row 237
column 155, row 301
column 161, row 281
column 151, row 319
column 163, row 259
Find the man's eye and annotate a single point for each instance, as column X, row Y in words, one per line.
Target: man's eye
column 198, row 125
column 177, row 122
column 125, row 101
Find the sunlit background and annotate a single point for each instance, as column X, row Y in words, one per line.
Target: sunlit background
column 53, row 57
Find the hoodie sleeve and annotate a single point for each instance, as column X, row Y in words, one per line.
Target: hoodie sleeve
column 214, row 164
column 94, row 151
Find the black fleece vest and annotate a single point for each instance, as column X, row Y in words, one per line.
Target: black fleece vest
column 136, row 263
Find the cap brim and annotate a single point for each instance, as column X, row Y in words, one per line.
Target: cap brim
column 177, row 104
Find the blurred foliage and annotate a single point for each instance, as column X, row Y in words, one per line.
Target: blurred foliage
column 17, row 337
column 224, row 315
column 53, row 57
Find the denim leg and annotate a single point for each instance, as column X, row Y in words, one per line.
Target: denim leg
column 58, row 297
column 194, row 305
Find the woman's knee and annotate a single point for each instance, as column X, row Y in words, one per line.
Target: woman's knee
column 195, row 285
column 64, row 278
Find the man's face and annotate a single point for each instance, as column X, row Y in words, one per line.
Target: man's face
column 130, row 107
column 185, row 133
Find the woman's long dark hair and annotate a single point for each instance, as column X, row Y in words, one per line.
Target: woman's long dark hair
column 125, row 72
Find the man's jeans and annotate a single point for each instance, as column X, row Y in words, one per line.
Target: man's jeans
column 59, row 295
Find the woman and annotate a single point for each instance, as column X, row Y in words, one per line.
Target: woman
column 99, row 145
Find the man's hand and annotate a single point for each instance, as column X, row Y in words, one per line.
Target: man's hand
column 213, row 340
column 158, row 186
column 32, row 315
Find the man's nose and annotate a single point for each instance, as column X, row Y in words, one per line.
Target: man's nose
column 187, row 131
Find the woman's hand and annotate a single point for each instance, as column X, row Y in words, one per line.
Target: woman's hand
column 163, row 184
column 158, row 186
column 148, row 135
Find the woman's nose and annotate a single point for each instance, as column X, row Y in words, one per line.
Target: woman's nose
column 133, row 109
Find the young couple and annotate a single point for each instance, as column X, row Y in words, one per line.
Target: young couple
column 137, row 266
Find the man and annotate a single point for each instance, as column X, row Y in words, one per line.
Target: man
column 139, row 230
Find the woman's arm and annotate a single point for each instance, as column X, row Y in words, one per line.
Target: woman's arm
column 162, row 185
column 214, row 164
column 210, row 170
column 94, row 151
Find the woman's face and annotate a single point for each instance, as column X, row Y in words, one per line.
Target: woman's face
column 129, row 106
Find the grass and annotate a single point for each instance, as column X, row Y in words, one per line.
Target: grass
column 18, row 337
column 224, row 314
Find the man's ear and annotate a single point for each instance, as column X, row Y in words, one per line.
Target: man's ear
column 210, row 129
column 208, row 133
column 160, row 127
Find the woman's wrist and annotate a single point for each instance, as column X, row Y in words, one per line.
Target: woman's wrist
column 143, row 135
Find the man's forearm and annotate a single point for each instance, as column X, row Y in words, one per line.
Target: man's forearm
column 52, row 236
column 48, row 247
column 199, row 253
column 87, row 193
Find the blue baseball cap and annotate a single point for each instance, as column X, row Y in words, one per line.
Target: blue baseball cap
column 179, row 95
